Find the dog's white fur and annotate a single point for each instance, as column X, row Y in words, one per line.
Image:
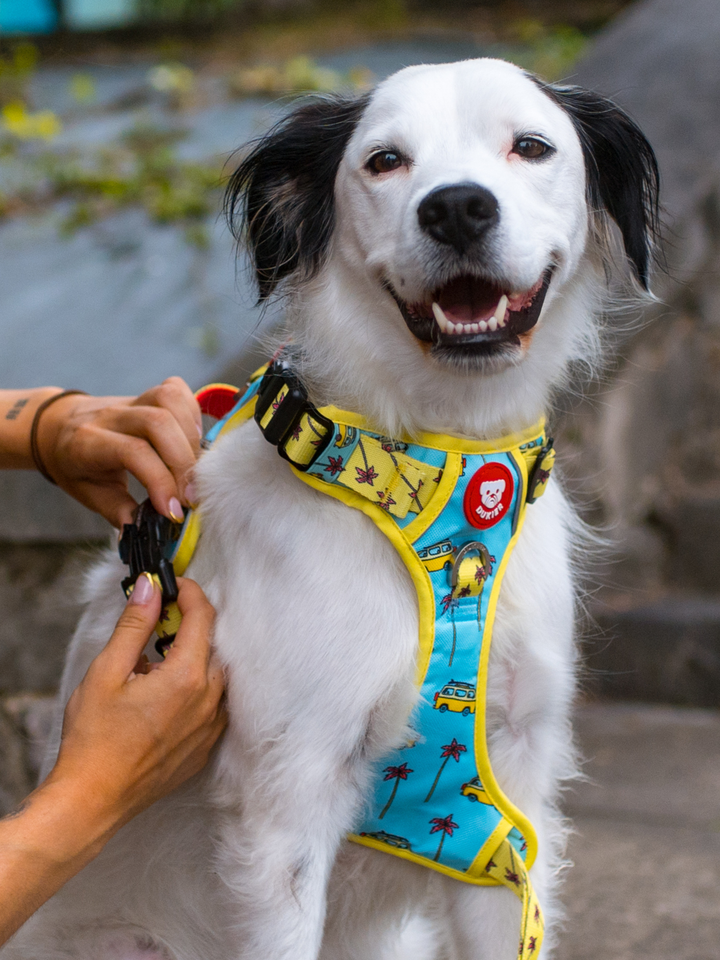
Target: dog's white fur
column 317, row 616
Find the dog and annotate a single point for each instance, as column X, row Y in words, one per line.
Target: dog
column 394, row 224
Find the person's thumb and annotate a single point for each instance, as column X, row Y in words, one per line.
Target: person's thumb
column 133, row 630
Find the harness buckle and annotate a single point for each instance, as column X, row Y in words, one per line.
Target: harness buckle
column 144, row 547
column 288, row 412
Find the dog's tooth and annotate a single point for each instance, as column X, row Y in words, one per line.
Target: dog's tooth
column 501, row 308
column 492, row 324
column 442, row 320
column 475, row 327
column 483, row 326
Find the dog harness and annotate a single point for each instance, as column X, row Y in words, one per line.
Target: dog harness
column 453, row 509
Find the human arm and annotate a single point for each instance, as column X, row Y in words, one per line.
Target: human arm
column 132, row 732
column 88, row 443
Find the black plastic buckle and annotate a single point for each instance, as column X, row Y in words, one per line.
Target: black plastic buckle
column 289, row 412
column 144, row 546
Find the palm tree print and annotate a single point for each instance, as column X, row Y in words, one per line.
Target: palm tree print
column 369, row 473
column 451, row 603
column 453, row 750
column 397, row 774
column 446, row 825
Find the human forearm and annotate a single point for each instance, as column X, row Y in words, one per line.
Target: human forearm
column 132, row 732
column 17, row 409
column 58, row 830
column 86, row 444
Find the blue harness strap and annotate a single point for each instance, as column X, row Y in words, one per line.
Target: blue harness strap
column 435, row 798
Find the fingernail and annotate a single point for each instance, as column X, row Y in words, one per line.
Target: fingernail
column 144, row 589
column 199, row 429
column 175, row 509
column 191, row 494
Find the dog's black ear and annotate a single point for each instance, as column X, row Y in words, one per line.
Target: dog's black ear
column 622, row 172
column 281, row 197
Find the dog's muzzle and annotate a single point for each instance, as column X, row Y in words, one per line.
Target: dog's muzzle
column 474, row 317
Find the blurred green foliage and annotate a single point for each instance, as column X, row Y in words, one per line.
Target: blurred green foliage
column 296, row 76
column 82, row 88
column 548, row 51
column 141, row 169
column 16, row 69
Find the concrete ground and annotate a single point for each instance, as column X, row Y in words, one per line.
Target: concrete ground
column 646, row 878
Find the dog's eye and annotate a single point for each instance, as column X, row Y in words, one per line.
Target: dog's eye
column 384, row 161
column 532, row 148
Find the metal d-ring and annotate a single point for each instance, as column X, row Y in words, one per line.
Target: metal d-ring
column 467, row 548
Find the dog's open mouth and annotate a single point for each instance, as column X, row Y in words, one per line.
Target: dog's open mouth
column 472, row 315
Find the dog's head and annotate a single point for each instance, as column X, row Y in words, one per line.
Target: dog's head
column 455, row 204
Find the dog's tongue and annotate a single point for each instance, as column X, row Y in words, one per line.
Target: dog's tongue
column 468, row 300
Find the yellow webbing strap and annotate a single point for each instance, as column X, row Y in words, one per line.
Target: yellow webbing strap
column 508, row 868
column 386, row 476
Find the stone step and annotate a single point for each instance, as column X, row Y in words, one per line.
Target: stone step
column 666, row 651
column 692, row 532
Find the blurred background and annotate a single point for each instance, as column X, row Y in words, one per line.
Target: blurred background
column 120, row 119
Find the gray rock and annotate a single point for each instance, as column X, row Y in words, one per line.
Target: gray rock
column 39, row 585
column 689, row 523
column 15, row 780
column 667, row 650
column 647, row 445
column 33, row 715
column 658, row 59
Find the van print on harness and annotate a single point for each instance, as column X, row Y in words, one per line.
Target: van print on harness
column 456, row 697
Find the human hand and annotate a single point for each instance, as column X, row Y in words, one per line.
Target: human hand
column 133, row 731
column 88, row 443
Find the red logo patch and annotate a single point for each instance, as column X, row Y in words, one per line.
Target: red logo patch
column 488, row 495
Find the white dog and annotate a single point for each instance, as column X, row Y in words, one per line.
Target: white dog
column 396, row 224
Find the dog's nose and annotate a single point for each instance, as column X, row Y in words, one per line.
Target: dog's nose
column 458, row 215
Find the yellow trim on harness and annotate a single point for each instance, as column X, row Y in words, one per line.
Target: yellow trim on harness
column 442, row 441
